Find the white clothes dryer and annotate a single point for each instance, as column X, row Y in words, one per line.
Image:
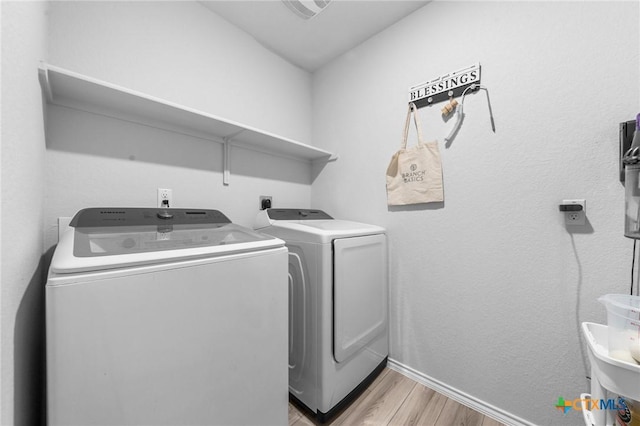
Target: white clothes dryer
column 166, row 317
column 338, row 297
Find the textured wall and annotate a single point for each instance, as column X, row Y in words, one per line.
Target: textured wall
column 184, row 53
column 23, row 152
column 489, row 287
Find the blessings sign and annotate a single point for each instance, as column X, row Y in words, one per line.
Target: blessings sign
column 444, row 87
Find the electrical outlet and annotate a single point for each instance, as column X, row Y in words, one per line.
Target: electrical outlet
column 265, row 202
column 572, row 218
column 165, row 198
column 577, row 217
column 163, row 236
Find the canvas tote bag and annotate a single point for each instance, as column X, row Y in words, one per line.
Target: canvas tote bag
column 414, row 174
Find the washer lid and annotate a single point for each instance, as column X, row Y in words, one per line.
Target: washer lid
column 115, row 238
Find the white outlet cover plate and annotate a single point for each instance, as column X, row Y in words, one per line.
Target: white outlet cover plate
column 576, row 218
column 163, row 194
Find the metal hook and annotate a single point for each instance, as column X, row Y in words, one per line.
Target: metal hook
column 493, row 124
column 474, row 87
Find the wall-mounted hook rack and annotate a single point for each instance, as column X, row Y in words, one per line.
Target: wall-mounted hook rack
column 445, row 87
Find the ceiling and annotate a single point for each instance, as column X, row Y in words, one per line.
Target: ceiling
column 312, row 43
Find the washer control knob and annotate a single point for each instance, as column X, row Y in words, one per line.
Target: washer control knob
column 129, row 243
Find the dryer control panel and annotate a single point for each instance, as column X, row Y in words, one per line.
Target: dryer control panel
column 297, row 214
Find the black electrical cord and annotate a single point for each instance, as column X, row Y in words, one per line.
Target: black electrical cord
column 637, row 277
column 633, row 265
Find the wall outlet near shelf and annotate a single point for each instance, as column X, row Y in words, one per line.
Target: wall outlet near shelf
column 165, row 198
column 265, row 202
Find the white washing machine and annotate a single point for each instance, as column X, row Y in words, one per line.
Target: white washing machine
column 166, row 317
column 338, row 297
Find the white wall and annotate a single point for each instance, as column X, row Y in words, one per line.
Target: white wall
column 488, row 288
column 23, row 151
column 179, row 51
column 184, row 53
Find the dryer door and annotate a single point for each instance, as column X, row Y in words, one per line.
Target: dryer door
column 360, row 293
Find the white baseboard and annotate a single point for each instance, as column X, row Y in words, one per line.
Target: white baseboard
column 458, row 396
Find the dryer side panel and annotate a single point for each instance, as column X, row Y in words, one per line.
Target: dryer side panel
column 303, row 313
column 360, row 293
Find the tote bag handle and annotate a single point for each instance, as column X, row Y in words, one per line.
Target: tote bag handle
column 413, row 110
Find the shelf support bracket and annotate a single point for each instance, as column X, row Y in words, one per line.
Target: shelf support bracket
column 43, row 76
column 226, row 172
column 226, row 160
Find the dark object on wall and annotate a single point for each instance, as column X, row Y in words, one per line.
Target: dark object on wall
column 626, row 136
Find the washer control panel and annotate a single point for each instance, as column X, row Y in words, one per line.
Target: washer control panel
column 107, row 217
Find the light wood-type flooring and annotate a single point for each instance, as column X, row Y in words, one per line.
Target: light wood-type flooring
column 393, row 399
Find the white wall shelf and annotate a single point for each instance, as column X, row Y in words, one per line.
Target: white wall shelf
column 77, row 91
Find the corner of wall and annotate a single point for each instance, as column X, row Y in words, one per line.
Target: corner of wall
column 24, row 44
